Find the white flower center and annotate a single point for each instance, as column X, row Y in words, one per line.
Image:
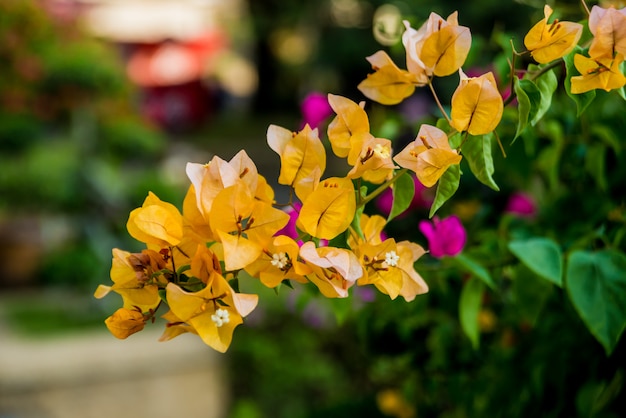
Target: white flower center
column 391, row 258
column 280, row 260
column 220, row 317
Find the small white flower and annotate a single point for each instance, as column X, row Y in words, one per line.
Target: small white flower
column 280, row 260
column 391, row 258
column 220, row 317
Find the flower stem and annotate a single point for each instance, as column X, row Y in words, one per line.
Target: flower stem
column 432, row 89
column 544, row 70
column 500, row 143
column 585, row 7
column 382, row 187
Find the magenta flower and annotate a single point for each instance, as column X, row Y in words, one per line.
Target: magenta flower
column 290, row 229
column 522, row 205
column 421, row 199
column 315, row 109
column 446, row 237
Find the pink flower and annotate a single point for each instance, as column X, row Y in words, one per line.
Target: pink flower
column 446, row 237
column 290, row 229
column 315, row 109
column 421, row 199
column 522, row 205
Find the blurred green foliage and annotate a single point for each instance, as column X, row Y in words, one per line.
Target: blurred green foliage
column 72, row 144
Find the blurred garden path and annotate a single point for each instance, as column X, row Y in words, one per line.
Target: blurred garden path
column 94, row 375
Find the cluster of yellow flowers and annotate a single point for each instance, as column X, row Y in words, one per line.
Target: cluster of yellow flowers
column 230, row 222
column 602, row 69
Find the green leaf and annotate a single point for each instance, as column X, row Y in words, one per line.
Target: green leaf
column 183, row 269
column 542, row 256
column 477, row 151
column 546, row 84
column 234, row 283
column 474, row 268
column 582, row 100
column 530, row 293
column 469, row 308
column 341, row 240
column 356, row 221
column 447, row 186
column 528, row 99
column 403, row 192
column 596, row 284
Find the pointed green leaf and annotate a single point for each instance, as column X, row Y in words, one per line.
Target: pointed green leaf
column 596, row 284
column 542, row 256
column 469, row 308
column 582, row 100
column 546, row 84
column 341, row 240
column 477, row 152
column 474, row 268
column 528, row 99
column 356, row 221
column 403, row 192
column 446, row 187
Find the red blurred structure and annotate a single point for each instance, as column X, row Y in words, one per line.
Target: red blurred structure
column 171, row 75
column 170, row 47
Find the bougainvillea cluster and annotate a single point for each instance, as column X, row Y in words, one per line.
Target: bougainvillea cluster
column 232, row 227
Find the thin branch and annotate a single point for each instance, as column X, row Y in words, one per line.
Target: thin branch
column 432, row 89
column 382, row 187
column 585, row 7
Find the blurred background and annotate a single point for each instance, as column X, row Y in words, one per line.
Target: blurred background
column 102, row 101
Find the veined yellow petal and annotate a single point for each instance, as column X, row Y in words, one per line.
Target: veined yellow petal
column 432, row 163
column 351, row 120
column 231, row 206
column 547, row 42
column 602, row 73
column 125, row 322
column 238, row 251
column 300, row 153
column 608, row 25
column 156, row 222
column 388, row 84
column 477, row 105
column 446, row 50
column 329, row 209
column 429, row 155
